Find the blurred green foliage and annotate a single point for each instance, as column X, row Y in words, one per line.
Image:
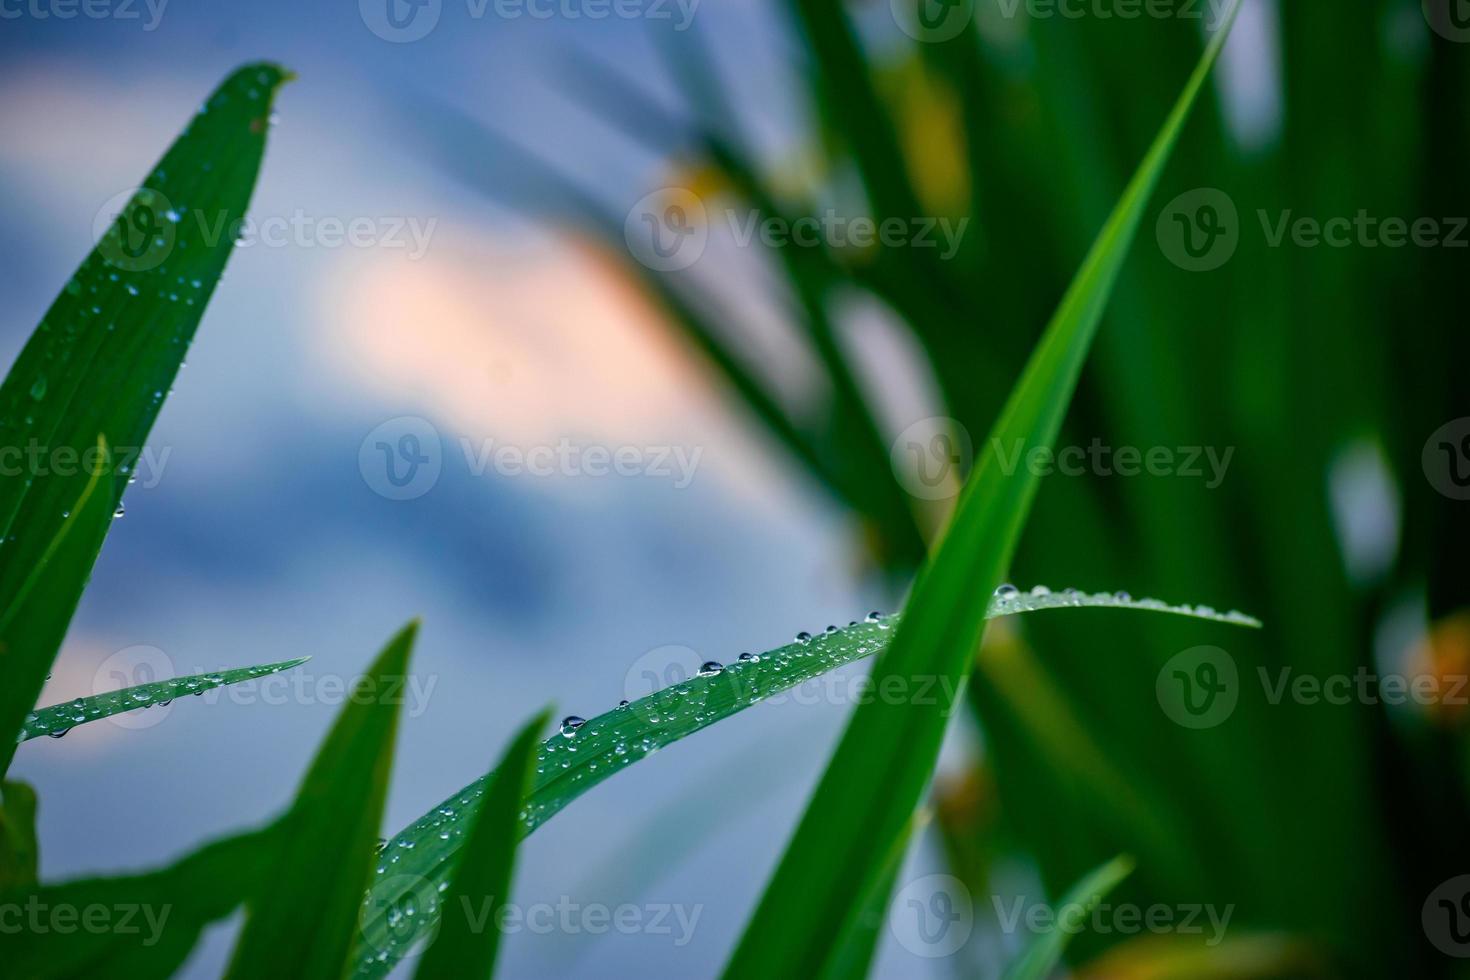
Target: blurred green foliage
column 1329, row 822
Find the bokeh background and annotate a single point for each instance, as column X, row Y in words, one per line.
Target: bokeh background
column 267, row 535
column 262, row 540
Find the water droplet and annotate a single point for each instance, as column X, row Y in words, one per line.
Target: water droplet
column 570, row 724
column 57, row 732
column 831, row 629
column 1122, row 597
column 746, row 657
column 1040, row 590
column 874, row 616
column 38, row 390
column 623, row 703
column 118, row 514
column 803, row 637
column 710, row 668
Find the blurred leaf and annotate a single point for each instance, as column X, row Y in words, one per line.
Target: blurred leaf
column 302, row 923
column 102, row 358
column 887, row 754
column 486, row 865
column 19, row 852
column 1259, row 956
column 58, row 719
column 854, row 457
column 1045, row 951
column 522, row 179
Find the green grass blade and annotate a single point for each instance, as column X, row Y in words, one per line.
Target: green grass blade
column 34, row 617
column 852, row 957
column 887, row 754
column 58, row 719
column 19, row 851
column 1043, row 955
column 212, row 882
column 303, row 924
column 569, row 765
column 107, row 350
column 173, row 906
column 469, row 937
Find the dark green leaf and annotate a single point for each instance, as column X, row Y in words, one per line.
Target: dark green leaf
column 303, row 923
column 18, row 848
column 887, row 754
column 104, row 355
column 469, row 934
column 146, row 924
column 34, row 617
column 421, row 858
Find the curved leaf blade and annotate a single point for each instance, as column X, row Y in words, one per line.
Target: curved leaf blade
column 1045, row 952
column 423, row 854
column 210, row 883
column 173, row 906
column 107, row 350
column 19, row 849
column 303, row 922
column 35, row 616
column 58, row 719
column 467, row 944
column 887, row 754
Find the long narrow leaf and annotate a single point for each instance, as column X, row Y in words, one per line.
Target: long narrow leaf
column 887, row 754
column 1042, row 956
column 209, row 884
column 105, row 353
column 165, row 911
column 303, row 924
column 58, row 719
column 34, row 618
column 567, row 765
column 467, row 944
column 19, row 851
